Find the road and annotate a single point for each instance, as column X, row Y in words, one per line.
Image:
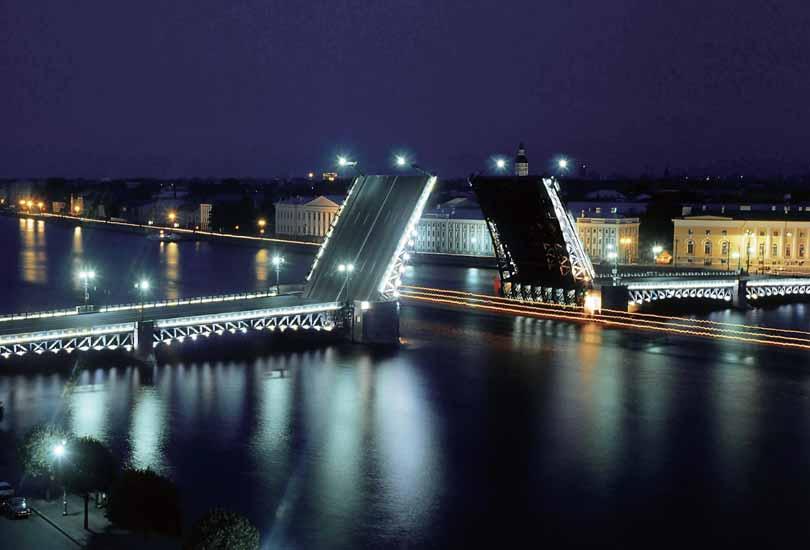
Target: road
column 373, row 220
column 32, row 534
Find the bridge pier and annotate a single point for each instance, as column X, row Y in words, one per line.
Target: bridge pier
column 738, row 295
column 144, row 343
column 375, row 323
column 615, row 297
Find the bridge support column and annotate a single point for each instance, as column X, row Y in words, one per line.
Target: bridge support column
column 376, row 323
column 738, row 295
column 615, row 297
column 144, row 344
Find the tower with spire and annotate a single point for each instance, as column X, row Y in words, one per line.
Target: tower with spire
column 521, row 162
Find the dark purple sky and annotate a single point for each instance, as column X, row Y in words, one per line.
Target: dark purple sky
column 250, row 87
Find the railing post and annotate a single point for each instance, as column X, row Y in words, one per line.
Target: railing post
column 738, row 295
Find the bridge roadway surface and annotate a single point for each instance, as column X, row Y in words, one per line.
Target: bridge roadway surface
column 373, row 222
column 89, row 320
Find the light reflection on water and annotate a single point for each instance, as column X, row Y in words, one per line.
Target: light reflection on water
column 33, row 255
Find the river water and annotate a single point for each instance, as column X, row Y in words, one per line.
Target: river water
column 480, row 428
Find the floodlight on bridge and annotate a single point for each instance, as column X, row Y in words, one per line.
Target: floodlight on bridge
column 500, row 164
column 401, row 161
column 562, row 164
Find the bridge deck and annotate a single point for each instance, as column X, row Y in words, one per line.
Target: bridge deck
column 90, row 320
column 371, row 233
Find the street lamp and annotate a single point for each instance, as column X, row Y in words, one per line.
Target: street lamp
column 59, row 452
column 402, row 161
column 500, row 164
column 262, row 222
column 562, row 164
column 347, row 269
column 656, row 250
column 278, row 261
column 142, row 287
column 87, row 275
column 172, row 217
column 345, row 162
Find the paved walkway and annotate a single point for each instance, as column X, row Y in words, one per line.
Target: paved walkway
column 72, row 525
column 101, row 533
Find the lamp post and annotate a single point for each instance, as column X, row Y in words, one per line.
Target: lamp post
column 345, row 162
column 402, row 162
column 736, row 255
column 261, row 223
column 278, row 261
column 59, row 452
column 142, row 287
column 562, row 165
column 613, row 255
column 87, row 275
column 747, row 250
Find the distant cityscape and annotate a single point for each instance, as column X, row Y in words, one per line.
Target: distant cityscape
column 725, row 224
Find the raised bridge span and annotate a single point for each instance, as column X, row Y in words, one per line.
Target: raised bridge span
column 371, row 233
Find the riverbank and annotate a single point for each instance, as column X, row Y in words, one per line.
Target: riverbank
column 145, row 229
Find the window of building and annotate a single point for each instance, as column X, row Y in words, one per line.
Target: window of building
column 724, row 248
column 774, row 250
column 598, row 209
column 689, row 232
column 707, row 248
column 708, row 232
column 724, row 232
column 690, row 247
column 801, row 250
column 761, row 233
column 761, row 249
column 776, row 233
column 787, row 251
column 614, row 210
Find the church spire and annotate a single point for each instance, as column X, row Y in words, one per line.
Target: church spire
column 521, row 162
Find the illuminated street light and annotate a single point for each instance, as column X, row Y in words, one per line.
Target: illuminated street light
column 76, row 209
column 401, row 161
column 87, row 275
column 344, row 162
column 59, row 453
column 562, row 164
column 500, row 164
column 262, row 222
column 657, row 249
column 172, row 216
column 278, row 261
column 142, row 287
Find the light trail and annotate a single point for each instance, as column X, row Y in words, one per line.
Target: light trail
column 173, row 229
column 616, row 311
column 452, row 298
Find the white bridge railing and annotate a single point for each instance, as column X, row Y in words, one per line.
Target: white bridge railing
column 137, row 305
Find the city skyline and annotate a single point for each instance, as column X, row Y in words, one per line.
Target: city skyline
column 260, row 90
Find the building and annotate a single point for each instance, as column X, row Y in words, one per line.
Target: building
column 602, row 202
column 205, row 216
column 307, row 216
column 521, row 162
column 756, row 241
column 609, row 233
column 328, row 176
column 454, row 227
column 76, row 205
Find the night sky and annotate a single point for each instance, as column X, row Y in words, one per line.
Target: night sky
column 276, row 88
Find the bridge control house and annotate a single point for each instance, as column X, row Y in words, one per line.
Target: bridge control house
column 761, row 242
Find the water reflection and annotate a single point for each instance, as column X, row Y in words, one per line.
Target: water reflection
column 33, row 256
column 88, row 408
column 261, row 261
column 148, row 429
column 170, row 260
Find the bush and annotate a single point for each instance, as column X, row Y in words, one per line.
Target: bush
column 223, row 530
column 141, row 500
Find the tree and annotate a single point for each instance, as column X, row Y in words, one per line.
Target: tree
column 90, row 467
column 141, row 500
column 36, row 450
column 223, row 530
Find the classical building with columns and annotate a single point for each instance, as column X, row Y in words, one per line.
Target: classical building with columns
column 760, row 242
column 307, row 216
column 606, row 233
